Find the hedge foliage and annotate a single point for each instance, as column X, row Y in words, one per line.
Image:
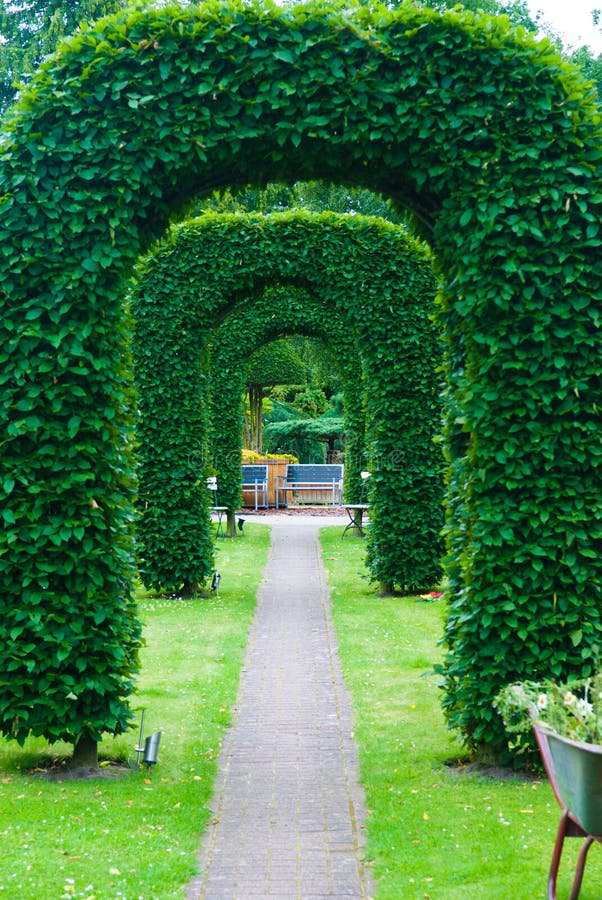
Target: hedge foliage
column 370, row 290
column 495, row 144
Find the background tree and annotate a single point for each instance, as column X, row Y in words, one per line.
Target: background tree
column 276, row 363
column 316, row 196
column 517, row 10
column 310, row 427
column 322, row 364
column 325, row 429
column 302, row 446
column 321, row 396
column 591, row 66
column 31, row 30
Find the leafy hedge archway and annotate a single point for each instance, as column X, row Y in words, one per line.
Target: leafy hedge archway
column 494, row 142
column 367, row 273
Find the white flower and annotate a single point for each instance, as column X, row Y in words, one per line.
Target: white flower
column 569, row 699
column 584, row 708
column 542, row 701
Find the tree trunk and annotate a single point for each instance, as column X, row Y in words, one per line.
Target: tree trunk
column 192, row 589
column 246, row 431
column 85, row 752
column 231, row 524
column 255, row 405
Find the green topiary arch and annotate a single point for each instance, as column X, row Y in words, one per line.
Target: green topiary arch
column 495, row 144
column 177, row 444
column 367, row 273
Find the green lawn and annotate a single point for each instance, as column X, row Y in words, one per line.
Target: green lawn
column 435, row 830
column 138, row 836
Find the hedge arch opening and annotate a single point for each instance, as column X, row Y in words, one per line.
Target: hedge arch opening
column 367, row 273
column 280, row 312
column 176, row 453
column 495, row 144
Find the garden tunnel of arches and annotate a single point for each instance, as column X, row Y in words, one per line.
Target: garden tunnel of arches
column 367, row 282
column 491, row 139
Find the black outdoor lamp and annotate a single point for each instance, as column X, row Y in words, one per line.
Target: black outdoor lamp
column 149, row 750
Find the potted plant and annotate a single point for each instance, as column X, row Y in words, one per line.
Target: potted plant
column 567, row 721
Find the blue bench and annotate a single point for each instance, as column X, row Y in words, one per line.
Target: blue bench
column 324, row 480
column 255, row 481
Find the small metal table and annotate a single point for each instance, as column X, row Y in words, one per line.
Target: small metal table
column 355, row 511
column 220, row 512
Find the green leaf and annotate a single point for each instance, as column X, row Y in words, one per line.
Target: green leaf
column 8, row 485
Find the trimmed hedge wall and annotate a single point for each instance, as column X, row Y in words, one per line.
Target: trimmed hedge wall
column 495, row 144
column 369, row 275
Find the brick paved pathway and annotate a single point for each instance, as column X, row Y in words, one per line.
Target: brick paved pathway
column 288, row 811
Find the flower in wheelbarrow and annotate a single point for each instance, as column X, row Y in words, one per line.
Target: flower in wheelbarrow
column 573, row 709
column 579, row 706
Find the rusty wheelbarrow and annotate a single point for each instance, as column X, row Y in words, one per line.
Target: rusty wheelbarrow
column 574, row 769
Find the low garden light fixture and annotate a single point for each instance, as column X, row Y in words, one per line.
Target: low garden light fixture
column 151, row 749
column 148, row 749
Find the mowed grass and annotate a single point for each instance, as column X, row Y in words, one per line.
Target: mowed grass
column 138, row 836
column 435, row 830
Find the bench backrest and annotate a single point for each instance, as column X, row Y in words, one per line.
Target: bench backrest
column 254, row 474
column 314, row 473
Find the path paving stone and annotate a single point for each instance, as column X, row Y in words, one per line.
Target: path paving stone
column 288, row 812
